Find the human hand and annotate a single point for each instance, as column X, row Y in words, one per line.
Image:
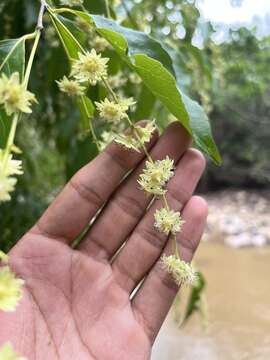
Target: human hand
column 77, row 302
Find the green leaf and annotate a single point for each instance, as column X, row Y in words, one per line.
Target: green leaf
column 201, row 129
column 12, row 59
column 97, row 7
column 162, row 84
column 5, row 124
column 67, row 34
column 68, row 39
column 152, row 62
column 145, row 105
column 194, row 302
column 127, row 41
column 12, row 56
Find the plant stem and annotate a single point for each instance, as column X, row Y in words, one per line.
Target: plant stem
column 10, row 139
column 108, row 10
column 83, row 8
column 31, row 58
column 165, row 202
column 115, row 98
column 176, row 247
column 43, row 6
column 94, row 135
column 109, row 88
column 36, row 36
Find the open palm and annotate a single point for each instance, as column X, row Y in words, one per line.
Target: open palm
column 77, row 304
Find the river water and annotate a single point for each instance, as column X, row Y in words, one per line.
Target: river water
column 238, row 297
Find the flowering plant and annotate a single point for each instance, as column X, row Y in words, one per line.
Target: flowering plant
column 88, row 41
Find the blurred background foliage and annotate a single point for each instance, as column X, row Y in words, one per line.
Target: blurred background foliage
column 230, row 79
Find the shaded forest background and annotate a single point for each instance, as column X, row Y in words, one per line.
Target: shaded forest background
column 230, row 79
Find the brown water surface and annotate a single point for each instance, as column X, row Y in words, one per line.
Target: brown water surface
column 238, row 296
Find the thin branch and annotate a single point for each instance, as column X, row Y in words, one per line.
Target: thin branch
column 43, row 7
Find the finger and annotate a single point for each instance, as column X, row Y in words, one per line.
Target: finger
column 154, row 299
column 128, row 204
column 86, row 192
column 128, row 269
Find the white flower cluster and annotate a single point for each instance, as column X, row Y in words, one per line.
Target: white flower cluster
column 113, row 111
column 181, row 271
column 168, row 221
column 71, row 87
column 89, row 68
column 8, row 168
column 155, row 176
column 11, row 292
column 10, row 289
column 13, row 95
column 136, row 137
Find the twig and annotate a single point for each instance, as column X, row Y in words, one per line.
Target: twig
column 43, row 7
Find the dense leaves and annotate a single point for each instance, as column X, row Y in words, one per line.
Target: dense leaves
column 154, row 65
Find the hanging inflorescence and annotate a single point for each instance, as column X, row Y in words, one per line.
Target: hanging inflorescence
column 90, row 69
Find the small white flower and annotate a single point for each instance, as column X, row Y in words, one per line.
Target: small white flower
column 14, row 96
column 71, row 87
column 7, row 186
column 145, row 132
column 71, row 3
column 127, row 103
column 90, row 67
column 10, row 289
column 135, row 79
column 182, row 272
column 136, row 137
column 99, row 43
column 118, row 80
column 112, row 111
column 107, row 137
column 155, row 175
column 85, row 26
column 12, row 167
column 167, row 220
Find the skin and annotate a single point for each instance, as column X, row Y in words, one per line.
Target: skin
column 77, row 303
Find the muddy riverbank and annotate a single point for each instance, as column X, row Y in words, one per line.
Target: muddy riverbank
column 238, row 287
